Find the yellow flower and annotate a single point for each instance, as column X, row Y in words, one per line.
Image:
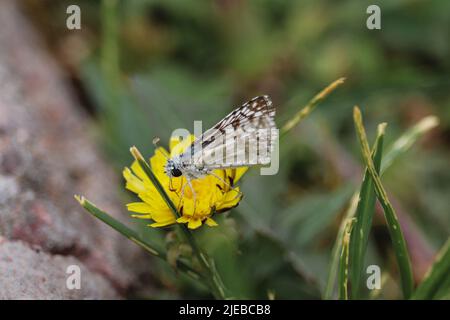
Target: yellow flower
column 211, row 194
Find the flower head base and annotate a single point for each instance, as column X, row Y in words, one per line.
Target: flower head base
column 211, row 193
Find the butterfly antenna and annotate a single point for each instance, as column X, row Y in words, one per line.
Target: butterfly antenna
column 156, row 144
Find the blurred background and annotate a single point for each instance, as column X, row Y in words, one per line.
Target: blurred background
column 143, row 68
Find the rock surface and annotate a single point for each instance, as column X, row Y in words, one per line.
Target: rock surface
column 46, row 156
column 29, row 273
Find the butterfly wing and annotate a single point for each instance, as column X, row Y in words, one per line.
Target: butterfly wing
column 252, row 123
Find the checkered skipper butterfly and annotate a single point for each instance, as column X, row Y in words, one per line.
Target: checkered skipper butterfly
column 245, row 137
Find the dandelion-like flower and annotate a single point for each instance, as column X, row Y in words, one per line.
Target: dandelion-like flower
column 212, row 195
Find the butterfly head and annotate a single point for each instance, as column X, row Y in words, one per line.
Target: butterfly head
column 172, row 168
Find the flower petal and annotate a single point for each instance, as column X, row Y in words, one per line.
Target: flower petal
column 188, row 207
column 158, row 162
column 194, row 223
column 139, row 207
column 162, row 223
column 163, row 215
column 134, row 184
column 141, row 216
column 138, row 171
column 230, row 200
column 183, row 219
column 238, row 173
column 210, row 222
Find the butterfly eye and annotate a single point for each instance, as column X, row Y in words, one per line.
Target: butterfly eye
column 176, row 172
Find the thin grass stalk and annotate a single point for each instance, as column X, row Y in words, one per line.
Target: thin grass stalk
column 343, row 261
column 398, row 241
column 310, row 106
column 336, row 251
column 404, row 143
column 363, row 217
column 133, row 236
column 437, row 276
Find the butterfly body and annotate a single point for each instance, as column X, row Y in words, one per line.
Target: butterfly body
column 176, row 167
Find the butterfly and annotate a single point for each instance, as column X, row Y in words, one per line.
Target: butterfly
column 245, row 137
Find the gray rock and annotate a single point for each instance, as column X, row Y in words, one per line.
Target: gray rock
column 28, row 273
column 47, row 156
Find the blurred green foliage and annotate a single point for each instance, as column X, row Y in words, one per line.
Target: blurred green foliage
column 151, row 66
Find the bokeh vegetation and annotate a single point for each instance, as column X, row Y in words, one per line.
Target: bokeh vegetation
column 146, row 67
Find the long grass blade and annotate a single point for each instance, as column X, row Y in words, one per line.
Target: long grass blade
column 336, row 251
column 310, row 106
column 437, row 277
column 404, row 143
column 363, row 218
column 133, row 235
column 343, row 261
column 398, row 241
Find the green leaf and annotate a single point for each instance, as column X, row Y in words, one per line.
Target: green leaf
column 437, row 279
column 398, row 241
column 363, row 222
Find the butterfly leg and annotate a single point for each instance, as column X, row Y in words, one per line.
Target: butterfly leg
column 194, row 195
column 181, row 196
column 171, row 188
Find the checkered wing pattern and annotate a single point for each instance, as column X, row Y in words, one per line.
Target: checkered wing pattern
column 252, row 123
